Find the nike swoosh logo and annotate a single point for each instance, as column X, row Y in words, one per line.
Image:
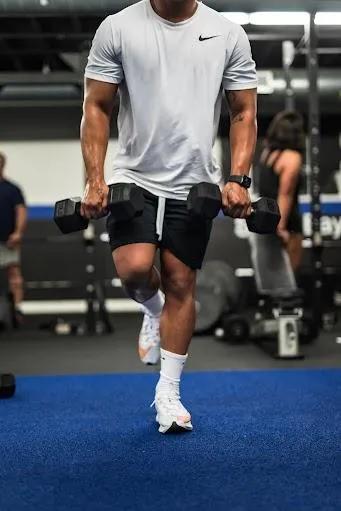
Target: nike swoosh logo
column 201, row 38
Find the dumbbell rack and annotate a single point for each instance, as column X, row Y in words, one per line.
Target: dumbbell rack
column 97, row 319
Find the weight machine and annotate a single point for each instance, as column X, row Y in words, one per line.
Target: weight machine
column 281, row 311
column 281, row 314
column 281, row 305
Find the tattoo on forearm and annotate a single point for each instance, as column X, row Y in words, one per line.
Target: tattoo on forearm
column 237, row 118
column 236, row 115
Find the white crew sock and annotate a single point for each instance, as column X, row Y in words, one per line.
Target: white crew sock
column 155, row 304
column 172, row 366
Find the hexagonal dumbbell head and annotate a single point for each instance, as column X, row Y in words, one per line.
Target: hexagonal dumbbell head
column 67, row 216
column 204, row 199
column 265, row 216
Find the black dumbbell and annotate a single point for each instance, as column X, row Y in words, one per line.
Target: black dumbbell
column 125, row 201
column 7, row 386
column 265, row 216
column 204, row 199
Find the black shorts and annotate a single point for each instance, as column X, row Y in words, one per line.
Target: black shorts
column 185, row 236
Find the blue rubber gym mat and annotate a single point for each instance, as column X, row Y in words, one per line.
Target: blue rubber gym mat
column 263, row 441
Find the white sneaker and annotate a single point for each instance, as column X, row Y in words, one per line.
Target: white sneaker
column 149, row 340
column 171, row 415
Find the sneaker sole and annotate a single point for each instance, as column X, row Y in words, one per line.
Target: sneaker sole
column 175, row 428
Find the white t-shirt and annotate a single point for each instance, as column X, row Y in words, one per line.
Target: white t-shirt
column 172, row 77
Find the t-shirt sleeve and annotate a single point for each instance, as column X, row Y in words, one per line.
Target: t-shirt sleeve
column 240, row 71
column 18, row 197
column 103, row 62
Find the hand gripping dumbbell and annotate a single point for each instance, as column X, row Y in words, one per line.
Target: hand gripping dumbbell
column 204, row 199
column 125, row 201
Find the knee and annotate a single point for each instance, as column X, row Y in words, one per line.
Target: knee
column 133, row 270
column 180, row 287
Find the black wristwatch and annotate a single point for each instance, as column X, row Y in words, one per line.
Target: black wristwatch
column 244, row 181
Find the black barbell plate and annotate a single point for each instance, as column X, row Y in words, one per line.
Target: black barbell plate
column 232, row 284
column 210, row 300
column 218, row 291
column 236, row 328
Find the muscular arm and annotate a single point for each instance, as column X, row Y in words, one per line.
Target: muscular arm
column 288, row 179
column 99, row 99
column 243, row 132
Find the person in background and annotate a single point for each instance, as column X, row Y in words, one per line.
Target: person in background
column 279, row 176
column 13, row 219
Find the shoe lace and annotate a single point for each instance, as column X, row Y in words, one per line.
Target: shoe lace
column 152, row 326
column 169, row 397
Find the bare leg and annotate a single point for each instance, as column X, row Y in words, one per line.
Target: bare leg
column 176, row 329
column 135, row 267
column 141, row 281
column 16, row 283
column 295, row 251
column 178, row 316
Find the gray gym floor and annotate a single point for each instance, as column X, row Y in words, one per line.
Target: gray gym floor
column 35, row 352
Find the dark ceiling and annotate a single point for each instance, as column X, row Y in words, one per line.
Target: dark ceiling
column 34, row 43
column 43, row 49
column 93, row 6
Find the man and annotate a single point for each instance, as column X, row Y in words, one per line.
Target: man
column 170, row 61
column 13, row 219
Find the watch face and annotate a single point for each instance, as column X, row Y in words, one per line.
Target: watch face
column 246, row 181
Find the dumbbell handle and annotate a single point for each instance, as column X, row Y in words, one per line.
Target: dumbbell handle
column 264, row 217
column 79, row 205
column 253, row 211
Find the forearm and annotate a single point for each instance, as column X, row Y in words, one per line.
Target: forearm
column 95, row 132
column 243, row 139
column 284, row 203
column 21, row 220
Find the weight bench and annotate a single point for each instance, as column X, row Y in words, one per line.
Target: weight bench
column 281, row 302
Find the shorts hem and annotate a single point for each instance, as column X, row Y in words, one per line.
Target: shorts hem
column 118, row 244
column 193, row 265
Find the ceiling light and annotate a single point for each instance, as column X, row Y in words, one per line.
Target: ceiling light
column 279, row 18
column 328, row 18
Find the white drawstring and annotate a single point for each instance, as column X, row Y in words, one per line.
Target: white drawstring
column 160, row 216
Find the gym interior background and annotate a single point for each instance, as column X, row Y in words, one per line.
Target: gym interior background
column 270, row 441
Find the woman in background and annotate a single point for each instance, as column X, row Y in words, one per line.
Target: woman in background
column 279, row 176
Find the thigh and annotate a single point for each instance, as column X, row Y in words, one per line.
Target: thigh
column 14, row 272
column 184, row 235
column 141, row 229
column 177, row 278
